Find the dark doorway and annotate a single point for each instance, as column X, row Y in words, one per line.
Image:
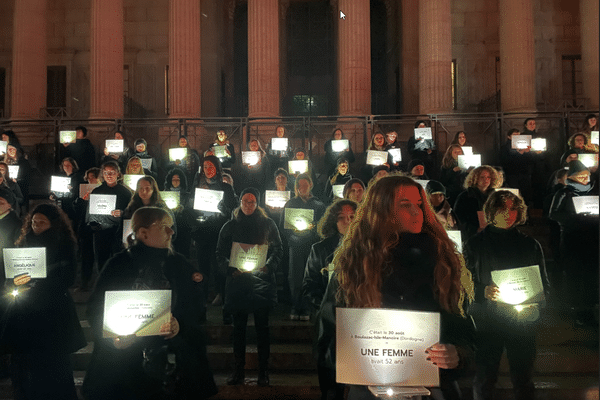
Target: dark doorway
column 379, row 90
column 56, row 95
column 311, row 87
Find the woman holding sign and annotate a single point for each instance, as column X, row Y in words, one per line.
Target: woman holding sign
column 396, row 255
column 334, row 153
column 500, row 323
column 116, row 369
column 42, row 329
column 251, row 285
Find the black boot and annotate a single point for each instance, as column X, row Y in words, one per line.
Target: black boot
column 238, row 377
column 263, row 377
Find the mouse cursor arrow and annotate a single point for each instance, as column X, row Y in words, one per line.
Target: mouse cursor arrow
column 342, row 16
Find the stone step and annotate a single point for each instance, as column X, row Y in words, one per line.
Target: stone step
column 306, row 387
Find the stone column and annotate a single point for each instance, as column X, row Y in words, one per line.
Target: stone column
column 106, row 69
column 354, row 57
column 263, row 58
column 184, row 59
column 409, row 59
column 517, row 56
column 435, row 57
column 589, row 51
column 29, row 80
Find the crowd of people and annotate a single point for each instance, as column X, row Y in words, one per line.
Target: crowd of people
column 382, row 238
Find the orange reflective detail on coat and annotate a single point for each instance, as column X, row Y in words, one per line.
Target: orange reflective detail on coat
column 197, row 277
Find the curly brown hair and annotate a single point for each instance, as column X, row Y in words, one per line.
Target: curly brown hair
column 471, row 179
column 327, row 225
column 59, row 222
column 363, row 259
column 497, row 202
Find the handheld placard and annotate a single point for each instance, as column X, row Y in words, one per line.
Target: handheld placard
column 375, row 157
column 338, row 191
column 589, row 160
column 30, row 261
column 250, row 157
column 171, row 199
column 3, row 144
column 13, row 171
column 299, row 219
column 586, row 204
column 423, row 133
column 338, row 146
column 396, row 155
column 538, row 144
column 127, row 230
column 467, row 150
column 135, row 312
column 279, row 144
column 466, row 162
column 146, row 163
column 276, row 198
column 520, row 142
column 67, row 136
column 208, row 200
column 383, row 347
column 248, row 257
column 594, row 137
column 177, row 153
column 220, row 151
column 131, row 181
column 114, row 146
column 102, row 204
column 519, row 285
column 60, row 184
column 456, row 238
column 298, row 166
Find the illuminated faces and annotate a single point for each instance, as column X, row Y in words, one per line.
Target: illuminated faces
column 304, row 188
column 355, row 193
column 67, row 167
column 506, row 217
column 462, row 138
column 281, row 181
column 457, row 151
column 378, row 139
column 140, row 148
column 579, row 142
column 248, row 204
column 483, row 181
column 436, row 199
column 343, row 168
column 4, row 206
column 280, row 131
column 40, row 223
column 530, row 125
column 418, row 170
column 221, row 136
column 337, row 135
column 145, row 190
column 391, row 137
column 253, row 145
column 183, row 142
column 157, row 235
column 110, row 175
column 209, row 169
column 408, row 214
column 175, row 181
column 344, row 218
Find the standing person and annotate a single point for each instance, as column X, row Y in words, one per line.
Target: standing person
column 396, row 255
column 479, row 184
column 578, row 243
column 176, row 181
column 339, row 177
column 108, row 229
column 16, row 156
column 146, row 195
column 452, row 177
column 422, row 149
column 140, row 150
column 207, row 225
column 189, row 164
column 518, row 167
column 10, row 224
column 70, row 169
column 436, row 193
column 300, row 242
column 115, row 370
column 378, row 144
column 331, row 228
column 460, row 138
column 255, row 175
column 119, row 158
column 280, row 158
column 83, row 151
column 332, row 157
column 42, row 329
column 354, row 190
column 391, row 142
column 250, row 291
column 501, row 246
column 229, row 159
column 13, row 186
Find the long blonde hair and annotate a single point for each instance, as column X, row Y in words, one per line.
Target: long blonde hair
column 363, row 259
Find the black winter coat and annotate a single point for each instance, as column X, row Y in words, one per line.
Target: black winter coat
column 495, row 249
column 409, row 287
column 10, row 227
column 117, row 373
column 257, row 289
column 315, row 278
column 43, row 318
column 466, row 206
column 123, row 198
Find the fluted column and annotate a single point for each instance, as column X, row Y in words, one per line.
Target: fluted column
column 354, row 57
column 517, row 56
column 263, row 58
column 106, row 70
column 29, row 59
column 409, row 23
column 435, row 57
column 589, row 51
column 184, row 58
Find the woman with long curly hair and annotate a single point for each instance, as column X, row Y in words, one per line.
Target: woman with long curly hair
column 42, row 328
column 146, row 194
column 479, row 184
column 396, row 255
column 452, row 177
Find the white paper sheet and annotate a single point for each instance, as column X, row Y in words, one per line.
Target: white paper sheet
column 102, row 204
column 25, row 260
column 248, row 257
column 114, row 146
column 519, row 285
column 207, row 200
column 135, row 312
column 375, row 157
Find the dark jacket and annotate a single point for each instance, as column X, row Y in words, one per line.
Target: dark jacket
column 452, row 181
column 43, row 318
column 10, row 228
column 332, row 157
column 328, row 196
column 466, row 206
column 83, row 152
column 409, row 286
column 117, row 373
column 256, row 176
column 108, row 221
column 495, row 249
column 316, row 275
column 226, row 162
column 257, row 289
